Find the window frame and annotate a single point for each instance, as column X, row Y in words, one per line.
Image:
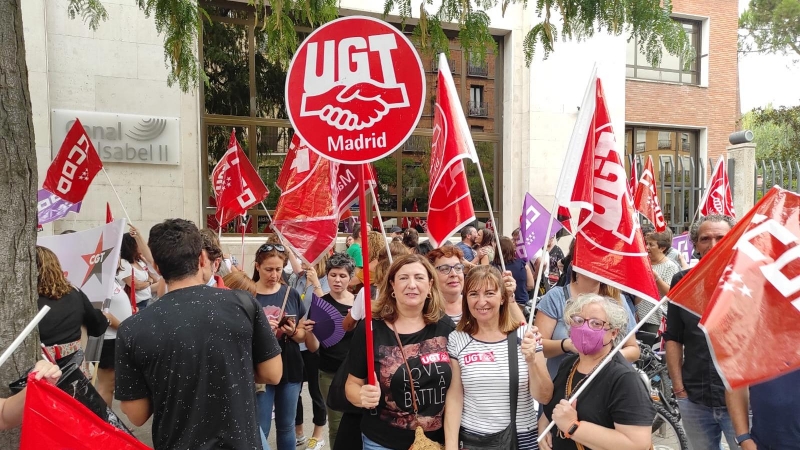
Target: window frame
column 697, row 38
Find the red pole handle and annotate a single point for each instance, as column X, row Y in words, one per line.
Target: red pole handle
column 362, row 211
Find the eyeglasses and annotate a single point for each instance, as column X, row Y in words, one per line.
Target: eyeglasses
column 271, row 247
column 595, row 324
column 444, row 269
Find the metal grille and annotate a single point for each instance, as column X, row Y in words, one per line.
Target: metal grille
column 768, row 173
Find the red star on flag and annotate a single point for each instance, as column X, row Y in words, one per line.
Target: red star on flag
column 95, row 262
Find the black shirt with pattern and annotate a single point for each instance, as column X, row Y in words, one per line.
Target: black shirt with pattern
column 392, row 423
column 290, row 350
column 330, row 358
column 192, row 354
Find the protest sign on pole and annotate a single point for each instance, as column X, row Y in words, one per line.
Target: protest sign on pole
column 533, row 228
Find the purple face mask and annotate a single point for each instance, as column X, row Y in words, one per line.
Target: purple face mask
column 586, row 340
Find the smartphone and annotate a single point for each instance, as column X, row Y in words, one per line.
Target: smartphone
column 106, row 305
column 286, row 319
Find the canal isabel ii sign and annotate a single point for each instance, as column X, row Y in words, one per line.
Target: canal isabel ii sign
column 355, row 89
column 124, row 138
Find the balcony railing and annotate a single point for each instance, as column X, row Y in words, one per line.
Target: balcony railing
column 478, row 109
column 477, row 70
column 450, row 62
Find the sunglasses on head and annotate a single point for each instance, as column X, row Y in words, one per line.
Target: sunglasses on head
column 271, row 247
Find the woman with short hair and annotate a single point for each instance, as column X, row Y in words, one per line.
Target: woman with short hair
column 615, row 411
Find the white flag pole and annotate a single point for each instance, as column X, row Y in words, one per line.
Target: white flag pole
column 25, row 332
column 117, row 194
column 266, row 211
column 498, row 252
column 380, row 219
column 606, row 360
column 219, row 231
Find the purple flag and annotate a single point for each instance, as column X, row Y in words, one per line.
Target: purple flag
column 533, row 227
column 684, row 245
column 52, row 207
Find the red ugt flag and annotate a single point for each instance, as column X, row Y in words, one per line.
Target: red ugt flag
column 449, row 200
column 747, row 290
column 306, row 217
column 74, row 167
column 646, row 198
column 237, row 185
column 718, row 199
column 609, row 244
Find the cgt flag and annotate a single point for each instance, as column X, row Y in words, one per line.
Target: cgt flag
column 307, row 216
column 89, row 258
column 533, row 227
column 237, row 185
column 646, row 198
column 609, row 244
column 74, row 167
column 747, row 292
column 718, row 199
column 449, row 201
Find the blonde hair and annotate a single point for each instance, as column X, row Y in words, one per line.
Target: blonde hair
column 385, row 308
column 483, row 277
column 51, row 282
column 376, row 243
column 240, row 280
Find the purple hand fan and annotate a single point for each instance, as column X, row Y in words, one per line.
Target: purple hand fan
column 328, row 322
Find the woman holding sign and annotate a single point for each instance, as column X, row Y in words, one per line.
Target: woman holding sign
column 410, row 331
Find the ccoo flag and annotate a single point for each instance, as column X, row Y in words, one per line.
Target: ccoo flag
column 747, row 291
column 533, row 227
column 237, row 186
column 449, row 200
column 74, row 167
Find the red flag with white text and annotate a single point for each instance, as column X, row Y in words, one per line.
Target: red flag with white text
column 609, row 244
column 747, row 291
column 237, row 186
column 718, row 199
column 74, row 167
column 307, row 216
column 633, row 184
column 449, row 201
column 646, row 199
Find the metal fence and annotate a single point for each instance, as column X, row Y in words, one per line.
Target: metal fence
column 768, row 173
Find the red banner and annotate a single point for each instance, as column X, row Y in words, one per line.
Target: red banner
column 609, row 243
column 74, row 167
column 306, row 217
column 747, row 290
column 449, row 201
column 718, row 199
column 236, row 183
column 347, row 182
column 646, row 198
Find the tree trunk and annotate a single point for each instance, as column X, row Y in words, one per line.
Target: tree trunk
column 18, row 220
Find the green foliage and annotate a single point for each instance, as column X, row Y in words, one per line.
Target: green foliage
column 92, row 11
column 280, row 19
column 771, row 26
column 777, row 132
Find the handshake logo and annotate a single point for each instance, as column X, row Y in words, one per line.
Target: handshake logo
column 352, row 101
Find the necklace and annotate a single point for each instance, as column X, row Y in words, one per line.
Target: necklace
column 568, row 389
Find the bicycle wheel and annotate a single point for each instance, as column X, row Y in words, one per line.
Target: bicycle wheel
column 668, row 433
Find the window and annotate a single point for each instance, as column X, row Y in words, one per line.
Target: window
column 246, row 93
column 672, row 68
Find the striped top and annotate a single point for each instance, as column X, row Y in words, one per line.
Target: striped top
column 484, row 375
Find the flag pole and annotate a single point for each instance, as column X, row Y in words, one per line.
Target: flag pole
column 267, row 212
column 606, row 360
column 498, row 252
column 219, row 231
column 244, row 227
column 25, row 332
column 362, row 210
column 117, row 194
column 380, row 219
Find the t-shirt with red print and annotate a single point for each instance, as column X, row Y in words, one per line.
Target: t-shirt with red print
column 392, row 423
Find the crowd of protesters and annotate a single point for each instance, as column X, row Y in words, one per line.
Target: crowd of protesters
column 218, row 358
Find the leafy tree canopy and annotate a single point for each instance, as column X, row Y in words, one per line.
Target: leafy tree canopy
column 646, row 20
column 771, row 26
column 776, row 132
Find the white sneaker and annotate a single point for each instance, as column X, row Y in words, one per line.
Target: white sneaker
column 300, row 441
column 314, row 444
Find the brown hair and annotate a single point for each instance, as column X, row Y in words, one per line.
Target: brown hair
column 211, row 244
column 398, row 249
column 508, row 249
column 261, row 256
column 240, row 280
column 51, row 282
column 410, row 238
column 481, row 277
column 375, row 243
column 487, row 238
column 385, row 308
column 663, row 240
column 445, row 251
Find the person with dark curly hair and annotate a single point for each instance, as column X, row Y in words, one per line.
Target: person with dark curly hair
column 133, row 269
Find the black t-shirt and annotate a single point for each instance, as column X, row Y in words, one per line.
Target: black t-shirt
column 331, row 358
column 290, row 350
column 192, row 353
column 616, row 395
column 62, row 324
column 392, row 424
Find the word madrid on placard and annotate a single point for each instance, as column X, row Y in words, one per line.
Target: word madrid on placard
column 355, row 89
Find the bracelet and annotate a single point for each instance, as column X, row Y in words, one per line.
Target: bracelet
column 563, row 350
column 679, row 391
column 317, row 287
column 572, row 429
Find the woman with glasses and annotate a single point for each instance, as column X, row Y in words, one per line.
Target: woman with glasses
column 410, row 331
column 615, row 411
column 478, row 402
column 272, row 292
column 450, row 274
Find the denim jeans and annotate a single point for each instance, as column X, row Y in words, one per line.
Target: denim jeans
column 372, row 445
column 705, row 425
column 284, row 397
column 264, row 443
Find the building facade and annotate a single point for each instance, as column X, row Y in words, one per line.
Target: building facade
column 521, row 117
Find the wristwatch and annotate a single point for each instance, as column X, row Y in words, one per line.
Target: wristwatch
column 743, row 437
